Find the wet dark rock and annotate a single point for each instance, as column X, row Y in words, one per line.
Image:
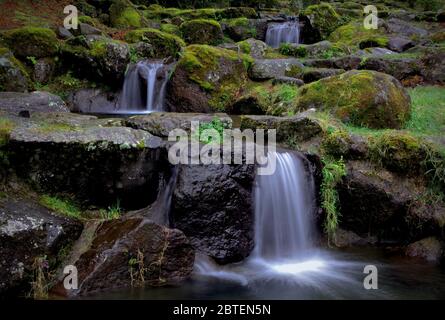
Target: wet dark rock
column 162, row 123
column 29, row 231
column 404, row 28
column 313, row 74
column 433, row 67
column 86, row 29
column 212, row 205
column 15, row 102
column 346, row 62
column 399, row 68
column 121, row 250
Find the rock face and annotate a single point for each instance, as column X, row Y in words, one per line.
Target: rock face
column 202, row 31
column 404, row 28
column 400, row 44
column 43, row 70
column 433, row 67
column 377, row 202
column 264, row 69
column 363, row 98
column 13, row 76
column 13, row 102
column 300, row 127
column 207, row 79
column 133, row 251
column 242, row 28
column 399, row 68
column 323, row 18
column 76, row 154
column 212, row 205
column 162, row 123
column 29, row 231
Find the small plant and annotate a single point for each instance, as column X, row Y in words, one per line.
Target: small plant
column 333, row 171
column 137, row 270
column 40, row 283
column 32, row 59
column 215, row 124
column 113, row 212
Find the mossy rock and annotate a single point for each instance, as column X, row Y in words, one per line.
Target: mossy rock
column 207, row 79
column 32, row 42
column 398, row 151
column 13, row 75
column 324, row 18
column 202, row 31
column 122, row 15
column 164, row 44
column 362, row 98
column 354, row 34
column 240, row 29
column 170, row 28
column 238, row 12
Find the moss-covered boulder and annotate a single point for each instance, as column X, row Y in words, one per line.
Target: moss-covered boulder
column 32, row 42
column 362, row 98
column 123, row 15
column 13, row 76
column 164, row 44
column 207, row 79
column 241, row 28
column 202, row 31
column 355, row 35
column 323, row 17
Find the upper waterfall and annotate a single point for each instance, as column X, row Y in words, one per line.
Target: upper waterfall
column 144, row 87
column 285, row 32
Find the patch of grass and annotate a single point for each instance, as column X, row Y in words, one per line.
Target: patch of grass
column 215, row 124
column 428, row 110
column 62, row 206
column 333, row 171
column 113, row 212
column 6, row 126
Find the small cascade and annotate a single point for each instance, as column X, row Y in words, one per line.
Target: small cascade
column 284, row 207
column 285, row 32
column 144, row 87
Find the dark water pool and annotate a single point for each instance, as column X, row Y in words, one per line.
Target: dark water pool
column 329, row 275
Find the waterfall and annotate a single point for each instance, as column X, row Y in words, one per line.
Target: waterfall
column 286, row 32
column 144, row 87
column 284, row 207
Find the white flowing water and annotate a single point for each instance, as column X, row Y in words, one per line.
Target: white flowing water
column 285, row 32
column 144, row 87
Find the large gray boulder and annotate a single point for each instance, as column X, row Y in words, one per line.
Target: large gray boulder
column 265, row 69
column 14, row 103
column 85, row 156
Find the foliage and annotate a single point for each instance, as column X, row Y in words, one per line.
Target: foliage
column 215, row 124
column 40, row 283
column 63, row 206
column 113, row 212
column 333, row 171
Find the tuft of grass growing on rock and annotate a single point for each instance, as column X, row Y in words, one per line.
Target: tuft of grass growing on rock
column 113, row 212
column 333, row 171
column 62, row 206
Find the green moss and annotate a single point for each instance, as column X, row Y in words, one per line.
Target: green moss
column 4, row 77
column 32, row 41
column 244, row 47
column 288, row 49
column 324, row 18
column 202, row 31
column 122, row 15
column 164, row 44
column 238, row 22
column 87, row 20
column 335, row 142
column 350, row 97
column 6, row 127
column 398, row 151
column 62, row 206
column 48, row 127
column 354, row 34
column 170, row 28
column 198, row 60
